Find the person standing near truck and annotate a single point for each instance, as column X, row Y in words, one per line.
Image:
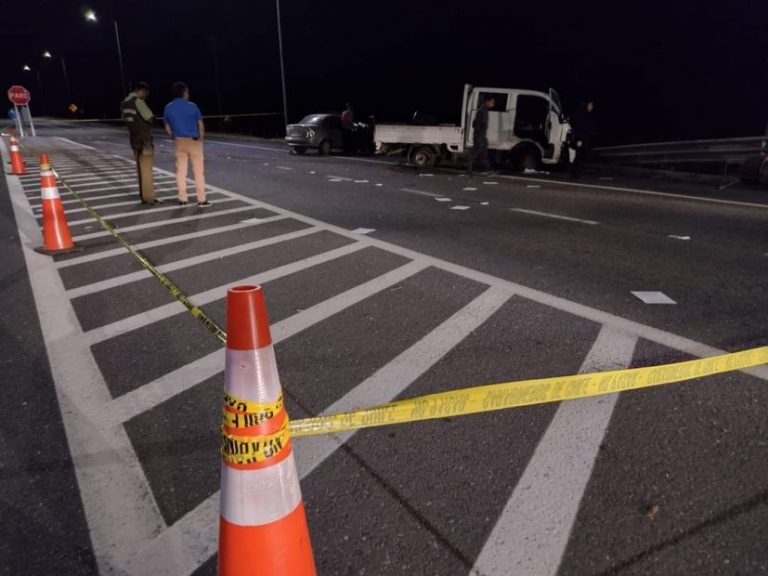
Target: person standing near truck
column 583, row 126
column 479, row 150
column 139, row 118
column 347, row 127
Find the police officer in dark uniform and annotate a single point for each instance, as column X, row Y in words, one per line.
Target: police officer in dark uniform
column 139, row 118
column 479, row 150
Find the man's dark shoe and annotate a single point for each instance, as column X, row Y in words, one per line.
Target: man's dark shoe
column 183, row 203
column 203, row 204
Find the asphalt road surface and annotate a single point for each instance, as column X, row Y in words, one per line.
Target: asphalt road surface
column 383, row 282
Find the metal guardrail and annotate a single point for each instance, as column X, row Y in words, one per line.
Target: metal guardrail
column 712, row 156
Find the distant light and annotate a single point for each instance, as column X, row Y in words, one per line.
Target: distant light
column 90, row 15
column 47, row 54
column 27, row 68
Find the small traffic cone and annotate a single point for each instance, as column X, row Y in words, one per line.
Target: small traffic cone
column 56, row 236
column 263, row 527
column 17, row 163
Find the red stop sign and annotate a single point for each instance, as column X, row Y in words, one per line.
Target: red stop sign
column 19, row 95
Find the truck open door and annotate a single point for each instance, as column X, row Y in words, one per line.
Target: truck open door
column 554, row 127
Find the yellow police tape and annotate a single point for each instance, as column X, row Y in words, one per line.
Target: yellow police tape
column 253, row 449
column 445, row 404
column 245, row 414
column 175, row 291
column 526, row 393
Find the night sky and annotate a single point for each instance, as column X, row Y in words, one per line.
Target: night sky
column 675, row 69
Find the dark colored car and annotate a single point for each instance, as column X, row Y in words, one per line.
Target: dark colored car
column 320, row 131
column 324, row 133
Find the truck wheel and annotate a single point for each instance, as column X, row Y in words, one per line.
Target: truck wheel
column 423, row 157
column 300, row 150
column 325, row 147
column 529, row 160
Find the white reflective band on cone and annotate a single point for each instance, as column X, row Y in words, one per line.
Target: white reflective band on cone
column 264, row 495
column 50, row 193
column 258, row 497
column 252, row 375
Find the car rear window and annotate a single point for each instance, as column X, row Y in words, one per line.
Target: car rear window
column 313, row 119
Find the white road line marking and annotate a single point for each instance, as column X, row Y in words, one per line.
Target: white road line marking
column 379, row 184
column 485, row 203
column 335, row 180
column 532, row 186
column 653, row 297
column 469, row 189
column 339, row 178
column 100, row 182
column 129, row 405
column 420, row 192
column 532, row 532
column 394, row 378
column 361, row 181
column 95, row 175
column 187, row 262
column 554, row 216
column 106, row 196
column 425, row 175
column 168, row 240
column 119, row 505
column 736, row 203
column 201, row 299
column 363, row 230
column 133, row 202
column 679, row 237
column 195, row 535
column 196, row 216
column 459, row 207
column 287, row 168
column 490, row 183
column 77, row 143
column 443, row 199
column 155, row 209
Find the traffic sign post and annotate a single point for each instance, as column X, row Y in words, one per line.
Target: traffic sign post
column 20, row 97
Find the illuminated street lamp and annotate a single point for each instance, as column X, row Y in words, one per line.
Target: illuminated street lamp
column 47, row 54
column 26, row 68
column 90, row 16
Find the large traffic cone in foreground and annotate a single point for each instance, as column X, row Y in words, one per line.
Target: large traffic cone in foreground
column 263, row 528
column 17, row 163
column 56, row 236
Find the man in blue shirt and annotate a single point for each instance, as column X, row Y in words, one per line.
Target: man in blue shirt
column 184, row 123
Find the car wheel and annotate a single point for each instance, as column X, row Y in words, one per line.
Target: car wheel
column 423, row 157
column 300, row 150
column 325, row 147
column 529, row 160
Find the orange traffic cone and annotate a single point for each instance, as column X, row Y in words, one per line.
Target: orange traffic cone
column 263, row 528
column 56, row 236
column 17, row 164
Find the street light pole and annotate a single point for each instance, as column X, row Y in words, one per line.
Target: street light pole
column 120, row 58
column 90, row 16
column 282, row 64
column 66, row 81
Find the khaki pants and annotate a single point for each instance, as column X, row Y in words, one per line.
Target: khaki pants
column 145, row 160
column 188, row 149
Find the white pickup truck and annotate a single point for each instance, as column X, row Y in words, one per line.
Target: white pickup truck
column 526, row 128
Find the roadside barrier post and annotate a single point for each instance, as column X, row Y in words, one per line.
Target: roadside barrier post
column 263, row 527
column 17, row 163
